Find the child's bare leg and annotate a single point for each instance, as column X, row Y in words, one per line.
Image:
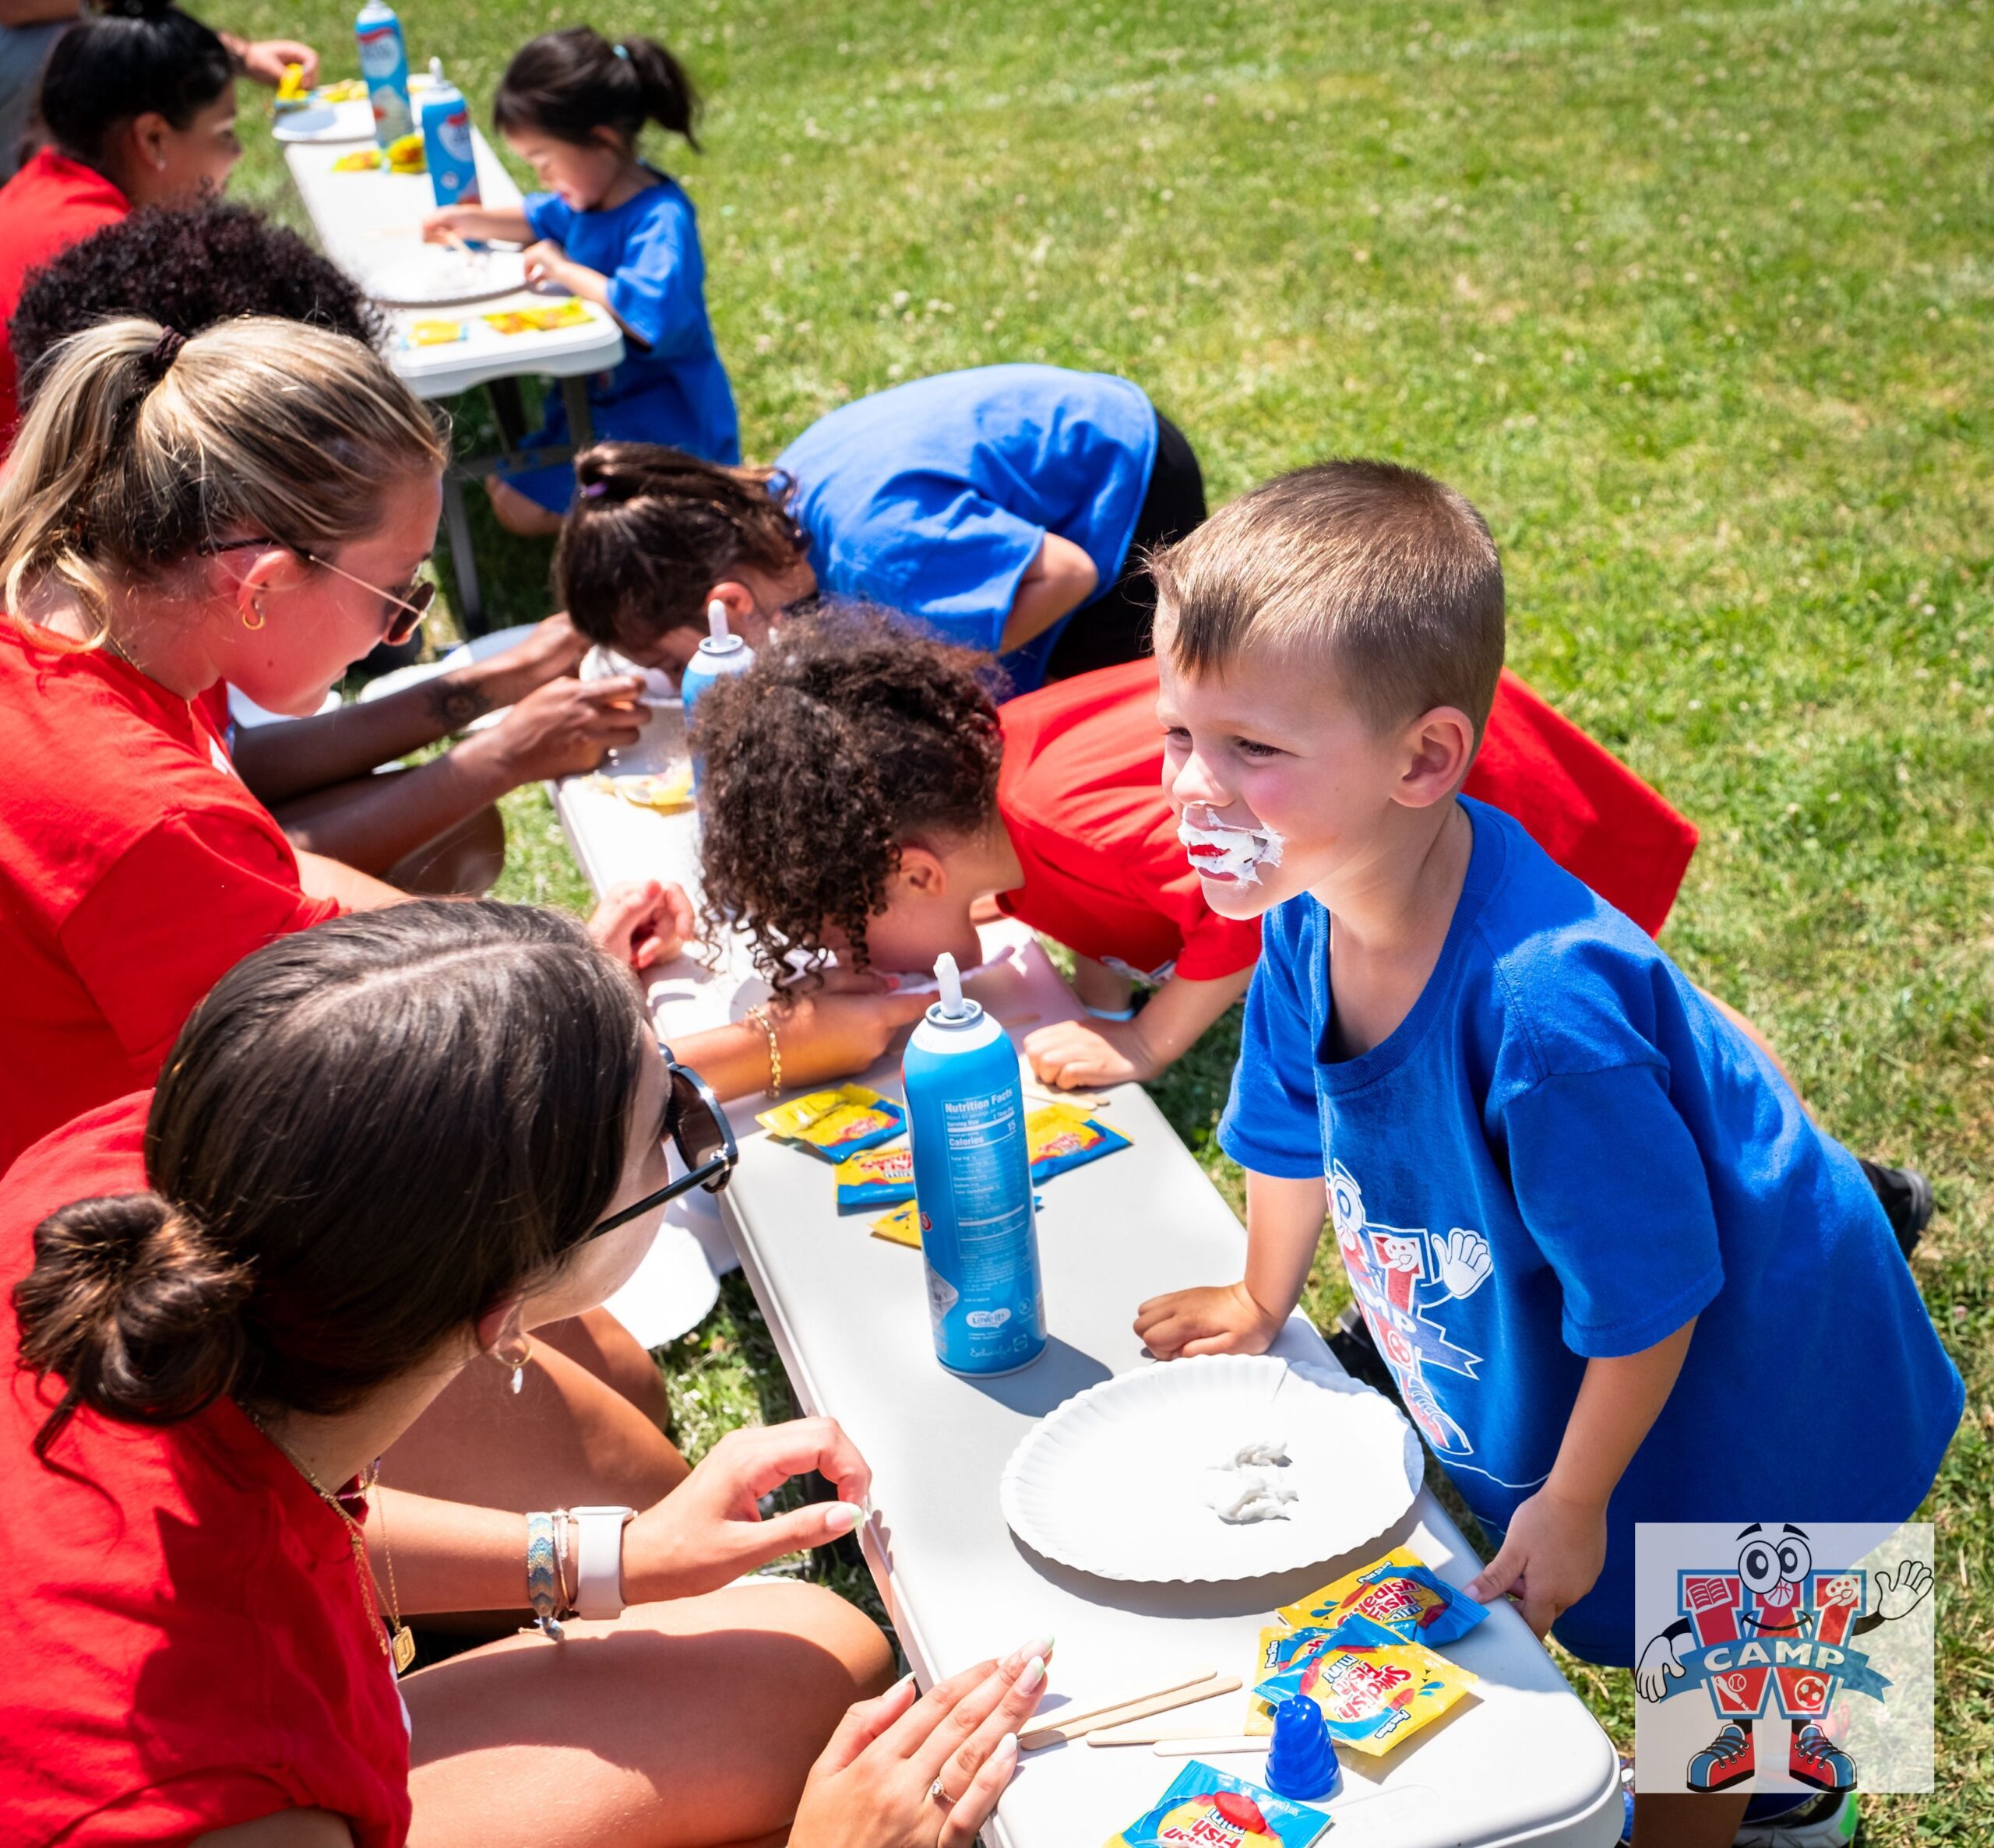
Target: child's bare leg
column 685, row 1724
column 1687, row 1819
column 1099, row 987
column 516, row 513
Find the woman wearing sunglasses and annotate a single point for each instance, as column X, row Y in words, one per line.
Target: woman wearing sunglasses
column 226, row 1301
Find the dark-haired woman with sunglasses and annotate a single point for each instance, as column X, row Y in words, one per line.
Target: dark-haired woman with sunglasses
column 226, row 1301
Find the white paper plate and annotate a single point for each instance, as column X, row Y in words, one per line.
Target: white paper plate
column 326, row 122
column 1114, row 1482
column 438, row 274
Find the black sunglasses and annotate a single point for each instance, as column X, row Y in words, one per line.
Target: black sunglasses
column 699, row 1131
column 412, row 600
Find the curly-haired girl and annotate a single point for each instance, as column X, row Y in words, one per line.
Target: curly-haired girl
column 864, row 797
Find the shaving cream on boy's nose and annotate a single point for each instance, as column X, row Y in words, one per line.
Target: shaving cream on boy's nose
column 1224, row 852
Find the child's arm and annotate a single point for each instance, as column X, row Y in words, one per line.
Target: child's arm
column 1082, row 1054
column 1056, row 583
column 1284, row 1218
column 454, row 222
column 1556, row 1544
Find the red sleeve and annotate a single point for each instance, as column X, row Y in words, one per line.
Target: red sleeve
column 1582, row 805
column 1216, row 947
column 182, row 1809
column 186, row 902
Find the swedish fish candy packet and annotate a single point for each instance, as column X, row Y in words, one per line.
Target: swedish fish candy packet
column 1214, row 1809
column 1375, row 1690
column 875, row 1178
column 900, row 1227
column 836, row 1123
column 1400, row 1592
column 1060, row 1137
column 1270, row 1658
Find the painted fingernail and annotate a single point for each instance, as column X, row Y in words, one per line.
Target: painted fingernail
column 1034, row 1672
column 1005, row 1757
column 1040, row 1646
column 841, row 1517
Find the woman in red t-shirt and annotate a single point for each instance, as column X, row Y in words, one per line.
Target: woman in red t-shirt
column 229, row 1299
column 864, row 795
column 140, row 110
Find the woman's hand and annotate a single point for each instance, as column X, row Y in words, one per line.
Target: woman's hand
column 875, row 1785
column 562, row 728
column 642, row 922
column 708, row 1531
column 842, row 1027
column 1549, row 1559
column 1226, row 1320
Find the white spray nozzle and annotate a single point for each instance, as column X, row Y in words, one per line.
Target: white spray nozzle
column 948, row 979
column 436, row 69
column 717, row 620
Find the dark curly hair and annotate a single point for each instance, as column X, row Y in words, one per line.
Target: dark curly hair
column 855, row 732
column 653, row 530
column 185, row 268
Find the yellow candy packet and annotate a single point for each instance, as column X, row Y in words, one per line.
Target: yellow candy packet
column 1400, row 1591
column 1375, row 1690
column 875, row 1178
column 1267, row 1660
column 902, row 1226
column 360, row 160
column 347, row 90
column 570, row 313
column 405, row 154
column 436, row 333
column 832, row 1124
column 1059, row 1137
column 290, row 92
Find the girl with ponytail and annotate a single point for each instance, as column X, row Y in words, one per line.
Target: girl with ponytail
column 613, row 230
column 382, row 1153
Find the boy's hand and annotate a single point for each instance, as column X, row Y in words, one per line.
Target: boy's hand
column 547, row 261
column 1082, row 1055
column 440, row 227
column 1550, row 1558
column 1223, row 1321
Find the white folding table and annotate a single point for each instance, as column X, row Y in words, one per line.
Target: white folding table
column 369, row 223
column 1523, row 1761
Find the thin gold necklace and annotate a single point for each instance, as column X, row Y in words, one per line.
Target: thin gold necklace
column 398, row 1643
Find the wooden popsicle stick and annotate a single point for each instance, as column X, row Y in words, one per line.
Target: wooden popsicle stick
column 1127, row 1734
column 1138, row 1707
column 1199, row 1748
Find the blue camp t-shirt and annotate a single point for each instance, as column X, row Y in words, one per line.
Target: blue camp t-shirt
column 935, row 497
column 671, row 387
column 1564, row 1151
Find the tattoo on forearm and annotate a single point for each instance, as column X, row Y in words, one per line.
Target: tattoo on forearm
column 453, row 704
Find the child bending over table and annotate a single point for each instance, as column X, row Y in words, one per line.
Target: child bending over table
column 865, row 797
column 1590, row 1227
column 613, row 230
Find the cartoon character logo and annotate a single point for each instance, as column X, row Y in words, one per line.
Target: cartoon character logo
column 1399, row 1275
column 1773, row 1629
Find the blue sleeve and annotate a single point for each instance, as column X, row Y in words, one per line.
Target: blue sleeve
column 549, row 215
column 936, row 548
column 1272, row 1123
column 658, row 290
column 1612, row 1187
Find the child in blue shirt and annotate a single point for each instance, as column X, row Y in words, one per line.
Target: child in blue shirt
column 1010, row 509
column 614, row 231
column 1617, row 1271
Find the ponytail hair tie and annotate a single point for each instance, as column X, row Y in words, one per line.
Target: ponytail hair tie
column 156, row 363
column 622, row 51
column 595, row 490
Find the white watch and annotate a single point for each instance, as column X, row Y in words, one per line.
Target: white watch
column 599, row 1560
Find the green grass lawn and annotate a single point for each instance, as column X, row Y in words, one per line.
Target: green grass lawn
column 1689, row 300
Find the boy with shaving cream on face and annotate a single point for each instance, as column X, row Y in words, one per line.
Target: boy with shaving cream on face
column 1617, row 1271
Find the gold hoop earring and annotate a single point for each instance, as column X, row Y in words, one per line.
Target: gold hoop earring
column 517, row 1360
column 256, row 604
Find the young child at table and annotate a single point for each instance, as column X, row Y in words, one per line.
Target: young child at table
column 1618, row 1274
column 613, row 230
column 863, row 794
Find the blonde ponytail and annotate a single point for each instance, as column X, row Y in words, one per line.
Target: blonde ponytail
column 134, row 454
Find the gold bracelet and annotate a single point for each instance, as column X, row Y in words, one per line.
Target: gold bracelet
column 760, row 1017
